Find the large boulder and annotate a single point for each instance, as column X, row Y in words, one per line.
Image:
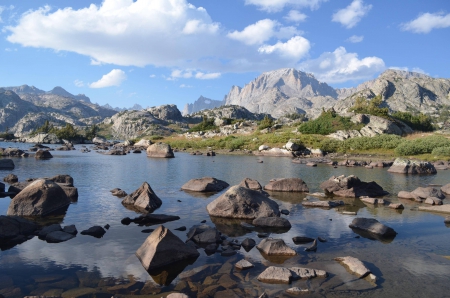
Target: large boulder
column 205, row 184
column 43, row 154
column 143, row 143
column 244, row 203
column 406, row 166
column 372, row 226
column 143, row 198
column 351, row 187
column 40, row 198
column 287, row 185
column 250, row 183
column 275, row 247
column 160, row 150
column 6, row 164
column 98, row 140
column 163, row 248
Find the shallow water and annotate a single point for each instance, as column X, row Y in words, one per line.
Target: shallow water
column 412, row 265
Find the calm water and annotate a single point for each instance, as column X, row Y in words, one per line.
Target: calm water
column 412, row 265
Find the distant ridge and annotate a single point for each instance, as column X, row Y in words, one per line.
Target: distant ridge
column 202, row 103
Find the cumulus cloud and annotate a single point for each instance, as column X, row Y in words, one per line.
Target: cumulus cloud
column 296, row 47
column 161, row 33
column 295, row 16
column 340, row 66
column 114, row 78
column 277, row 5
column 78, row 83
column 352, row 14
column 355, row 38
column 426, row 22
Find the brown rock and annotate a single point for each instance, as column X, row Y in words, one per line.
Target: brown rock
column 250, row 183
column 354, row 265
column 275, row 275
column 352, row 187
column 205, row 184
column 275, row 247
column 372, row 226
column 143, row 198
column 446, row 189
column 43, row 154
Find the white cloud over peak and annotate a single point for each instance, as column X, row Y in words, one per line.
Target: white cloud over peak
column 352, row 14
column 198, row 26
column 427, row 22
column 114, row 78
column 297, row 47
column 278, row 5
column 340, row 66
column 295, row 16
column 355, row 38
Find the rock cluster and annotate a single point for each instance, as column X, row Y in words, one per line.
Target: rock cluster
column 351, row 186
column 406, row 166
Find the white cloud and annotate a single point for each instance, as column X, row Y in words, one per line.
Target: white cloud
column 278, row 5
column 198, row 26
column 340, row 66
column 296, row 47
column 95, row 62
column 207, row 76
column 114, row 78
column 185, row 86
column 78, row 83
column 352, row 14
column 355, row 38
column 414, row 69
column 152, row 76
column 185, row 74
column 427, row 22
column 295, row 16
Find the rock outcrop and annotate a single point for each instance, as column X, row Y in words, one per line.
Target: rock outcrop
column 351, row 186
column 241, row 202
column 143, row 198
column 406, row 166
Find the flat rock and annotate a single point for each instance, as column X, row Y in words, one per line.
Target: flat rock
column 275, row 275
column 143, row 198
column 354, row 265
column 323, row 204
column 287, row 185
column 275, row 247
column 396, row 206
column 296, row 291
column 372, row 201
column 243, row 264
column 205, row 184
column 439, row 209
column 426, row 192
column 243, row 203
column 372, row 226
column 272, row 222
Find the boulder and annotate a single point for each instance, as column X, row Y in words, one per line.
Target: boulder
column 243, row 264
column 98, row 140
column 275, row 275
column 16, row 152
column 426, row 192
column 272, row 222
column 354, row 265
column 446, row 189
column 6, row 164
column 406, row 195
column 352, row 187
column 143, row 198
column 43, row 154
column 287, row 185
column 205, row 184
column 160, row 150
column 275, row 247
column 163, row 248
column 95, row 231
column 244, row 203
column 117, row 192
column 250, row 183
column 13, row 226
column 433, row 201
column 276, row 152
column 39, row 198
column 291, row 146
column 143, row 143
column 10, row 178
column 263, row 147
column 406, row 166
column 58, row 236
column 203, row 234
column 372, row 226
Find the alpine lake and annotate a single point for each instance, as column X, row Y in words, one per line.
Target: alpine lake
column 416, row 263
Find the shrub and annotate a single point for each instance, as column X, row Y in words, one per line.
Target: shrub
column 206, row 124
column 372, row 107
column 422, row 145
column 328, row 122
column 441, row 151
column 419, row 122
column 265, row 123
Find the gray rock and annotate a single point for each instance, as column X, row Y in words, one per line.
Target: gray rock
column 58, row 236
column 244, row 203
column 163, row 248
column 275, row 247
column 396, row 206
column 6, row 164
column 354, row 265
column 296, row 291
column 39, row 198
column 372, row 226
column 203, row 234
column 433, row 201
column 244, row 264
column 143, row 198
column 95, row 231
column 426, row 192
column 323, row 204
column 406, row 166
column 205, row 184
column 250, row 183
column 48, row 229
column 275, row 275
column 43, row 154
column 446, row 189
column 160, row 150
column 272, row 222
column 287, row 185
column 302, row 273
column 352, row 187
column 70, row 229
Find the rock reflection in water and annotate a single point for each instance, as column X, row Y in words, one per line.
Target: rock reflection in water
column 371, row 236
column 230, row 227
column 165, row 275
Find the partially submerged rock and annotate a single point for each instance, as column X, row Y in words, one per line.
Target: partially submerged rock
column 244, row 203
column 95, row 231
column 287, row 185
column 275, row 275
column 446, row 189
column 39, row 198
column 43, row 154
column 117, row 192
column 203, row 234
column 205, row 184
column 6, row 164
column 426, row 192
column 351, row 186
column 143, row 199
column 160, row 150
column 15, row 230
column 163, row 248
column 323, row 204
column 275, row 247
column 243, row 264
column 250, row 183
column 272, row 222
column 354, row 265
column 150, row 219
column 372, row 226
column 406, row 166
column 302, row 240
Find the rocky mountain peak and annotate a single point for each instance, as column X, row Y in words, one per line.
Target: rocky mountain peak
column 202, row 103
column 396, row 73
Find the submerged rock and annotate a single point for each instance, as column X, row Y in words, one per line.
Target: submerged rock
column 160, row 150
column 275, row 247
column 43, row 154
column 95, row 231
column 275, row 275
column 39, row 198
column 143, row 198
column 162, row 248
column 351, row 186
column 406, row 166
column 10, row 178
column 244, row 203
column 354, row 265
column 287, row 185
column 372, row 226
column 205, row 184
column 243, row 264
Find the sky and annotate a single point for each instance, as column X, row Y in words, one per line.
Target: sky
column 154, row 52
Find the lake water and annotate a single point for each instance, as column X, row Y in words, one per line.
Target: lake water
column 412, row 265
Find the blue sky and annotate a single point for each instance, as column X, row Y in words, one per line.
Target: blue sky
column 154, row 52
